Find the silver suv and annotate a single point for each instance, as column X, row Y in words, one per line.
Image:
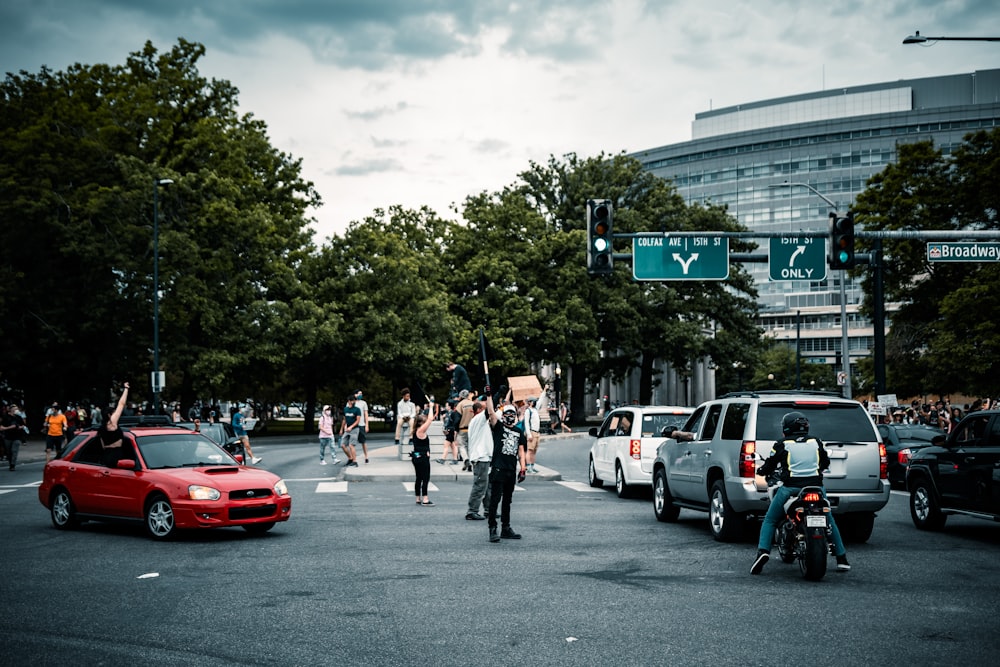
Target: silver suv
column 716, row 472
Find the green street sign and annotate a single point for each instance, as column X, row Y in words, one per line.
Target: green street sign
column 963, row 252
column 687, row 258
column 796, row 258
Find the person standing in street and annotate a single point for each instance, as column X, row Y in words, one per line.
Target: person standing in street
column 421, row 457
column 55, row 432
column 406, row 410
column 532, row 428
column 236, row 419
column 12, row 425
column 464, row 409
column 362, row 405
column 349, row 432
column 509, row 444
column 480, row 454
column 326, row 436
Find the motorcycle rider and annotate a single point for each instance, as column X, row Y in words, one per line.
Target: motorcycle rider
column 802, row 460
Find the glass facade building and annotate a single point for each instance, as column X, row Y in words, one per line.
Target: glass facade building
column 832, row 141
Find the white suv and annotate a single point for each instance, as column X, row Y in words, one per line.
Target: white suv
column 626, row 442
column 715, row 472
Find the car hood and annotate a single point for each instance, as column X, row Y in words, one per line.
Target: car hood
column 222, row 476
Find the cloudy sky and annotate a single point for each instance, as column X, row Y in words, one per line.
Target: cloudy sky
column 424, row 102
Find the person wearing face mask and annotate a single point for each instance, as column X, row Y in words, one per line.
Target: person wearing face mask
column 326, row 436
column 507, row 466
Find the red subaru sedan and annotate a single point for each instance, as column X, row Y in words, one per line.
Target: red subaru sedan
column 166, row 477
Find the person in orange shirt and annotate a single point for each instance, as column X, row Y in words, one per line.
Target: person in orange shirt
column 55, row 432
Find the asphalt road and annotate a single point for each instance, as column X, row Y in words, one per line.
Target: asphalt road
column 360, row 575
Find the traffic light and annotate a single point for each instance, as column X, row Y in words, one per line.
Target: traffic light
column 842, row 241
column 600, row 251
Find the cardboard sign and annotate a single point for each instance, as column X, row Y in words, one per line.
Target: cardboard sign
column 524, row 386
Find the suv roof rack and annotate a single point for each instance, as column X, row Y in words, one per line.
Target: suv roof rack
column 781, row 392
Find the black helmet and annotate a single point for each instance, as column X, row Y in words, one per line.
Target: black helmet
column 794, row 425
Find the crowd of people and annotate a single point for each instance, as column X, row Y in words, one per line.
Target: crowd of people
column 941, row 414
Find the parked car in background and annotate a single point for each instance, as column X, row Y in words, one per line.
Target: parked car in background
column 166, row 478
column 716, row 471
column 221, row 433
column 959, row 476
column 901, row 442
column 626, row 441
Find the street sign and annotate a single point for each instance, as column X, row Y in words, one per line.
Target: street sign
column 963, row 252
column 687, row 258
column 796, row 258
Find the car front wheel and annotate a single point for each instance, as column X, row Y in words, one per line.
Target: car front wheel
column 727, row 523
column 663, row 505
column 924, row 509
column 63, row 512
column 160, row 518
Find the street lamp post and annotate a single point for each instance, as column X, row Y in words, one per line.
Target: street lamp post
column 155, row 377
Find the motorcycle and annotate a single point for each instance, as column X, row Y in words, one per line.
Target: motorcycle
column 804, row 535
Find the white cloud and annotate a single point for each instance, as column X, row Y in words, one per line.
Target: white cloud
column 425, row 102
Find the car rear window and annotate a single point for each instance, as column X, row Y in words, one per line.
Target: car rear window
column 653, row 424
column 830, row 422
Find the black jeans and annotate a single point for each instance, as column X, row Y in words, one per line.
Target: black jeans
column 422, row 468
column 502, row 484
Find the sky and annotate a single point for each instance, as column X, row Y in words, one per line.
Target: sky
column 425, row 102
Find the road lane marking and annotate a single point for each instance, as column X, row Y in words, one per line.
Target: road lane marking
column 331, row 487
column 580, row 486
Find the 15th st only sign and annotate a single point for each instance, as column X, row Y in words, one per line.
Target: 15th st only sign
column 796, row 258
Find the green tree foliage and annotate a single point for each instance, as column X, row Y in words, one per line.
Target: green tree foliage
column 82, row 150
column 943, row 338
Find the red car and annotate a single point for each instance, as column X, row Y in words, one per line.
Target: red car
column 168, row 478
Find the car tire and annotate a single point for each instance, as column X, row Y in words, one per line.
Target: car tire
column 726, row 523
column 621, row 486
column 160, row 520
column 663, row 502
column 924, row 508
column 857, row 526
column 595, row 481
column 63, row 511
column 258, row 528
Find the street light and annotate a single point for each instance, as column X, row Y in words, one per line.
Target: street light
column 843, row 289
column 920, row 39
column 155, row 377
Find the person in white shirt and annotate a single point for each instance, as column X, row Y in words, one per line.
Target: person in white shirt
column 406, row 412
column 362, row 405
column 480, row 454
column 532, row 428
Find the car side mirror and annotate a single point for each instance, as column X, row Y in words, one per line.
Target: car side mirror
column 125, row 464
column 593, row 431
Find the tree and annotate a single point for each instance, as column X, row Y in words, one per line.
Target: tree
column 82, row 150
column 947, row 309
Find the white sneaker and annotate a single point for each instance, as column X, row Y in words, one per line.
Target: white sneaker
column 322, row 462
column 335, row 460
column 257, row 459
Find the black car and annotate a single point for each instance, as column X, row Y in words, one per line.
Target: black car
column 901, row 442
column 959, row 476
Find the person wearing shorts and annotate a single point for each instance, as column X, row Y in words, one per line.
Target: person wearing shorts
column 349, row 431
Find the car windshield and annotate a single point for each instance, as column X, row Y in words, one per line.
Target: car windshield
column 179, row 450
column 830, row 422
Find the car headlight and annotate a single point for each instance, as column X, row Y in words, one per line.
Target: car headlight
column 197, row 492
column 280, row 488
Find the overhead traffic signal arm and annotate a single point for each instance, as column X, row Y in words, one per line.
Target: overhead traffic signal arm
column 600, row 250
column 842, row 241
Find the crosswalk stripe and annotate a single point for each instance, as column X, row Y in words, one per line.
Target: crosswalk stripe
column 580, row 486
column 331, row 487
column 409, row 486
